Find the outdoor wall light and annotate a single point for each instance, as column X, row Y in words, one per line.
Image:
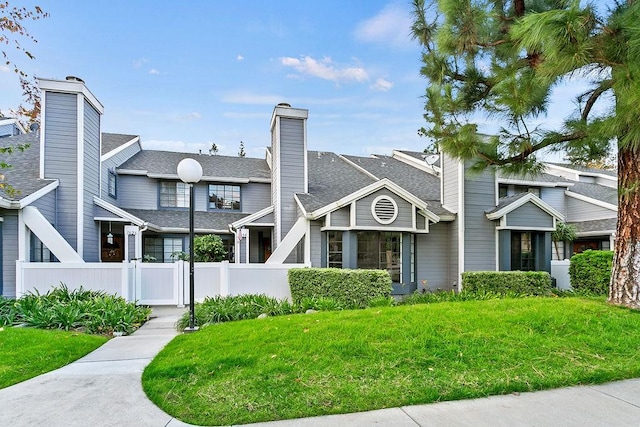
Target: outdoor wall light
column 190, row 172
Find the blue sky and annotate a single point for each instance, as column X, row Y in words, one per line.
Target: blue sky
column 185, row 74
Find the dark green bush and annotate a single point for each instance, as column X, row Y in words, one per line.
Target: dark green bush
column 350, row 288
column 507, row 283
column 591, row 271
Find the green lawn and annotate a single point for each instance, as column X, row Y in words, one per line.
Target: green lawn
column 26, row 352
column 338, row 362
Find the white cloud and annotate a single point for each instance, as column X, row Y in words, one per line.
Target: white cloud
column 138, row 63
column 390, row 26
column 170, row 145
column 382, row 85
column 154, row 71
column 240, row 58
column 251, row 98
column 4, row 69
column 325, row 69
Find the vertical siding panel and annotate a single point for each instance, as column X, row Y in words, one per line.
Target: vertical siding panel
column 480, row 232
column 9, row 252
column 255, row 197
column 91, row 187
column 60, row 151
column 433, row 257
column 137, row 192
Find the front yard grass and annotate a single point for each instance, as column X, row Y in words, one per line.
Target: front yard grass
column 348, row 361
column 26, row 352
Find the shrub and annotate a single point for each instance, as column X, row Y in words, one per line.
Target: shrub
column 350, row 288
column 7, row 311
column 591, row 271
column 507, row 283
column 61, row 308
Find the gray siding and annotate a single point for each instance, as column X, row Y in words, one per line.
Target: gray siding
column 454, row 246
column 47, row 206
column 291, row 161
column 60, row 158
column 316, row 244
column 433, row 257
column 480, row 233
column 202, row 196
column 255, row 197
column 529, row 215
column 9, row 130
column 364, row 217
column 341, row 217
column 450, row 179
column 91, row 250
column 113, row 162
column 9, row 252
column 275, row 187
column 555, row 198
column 137, row 192
column 103, row 213
column 579, row 210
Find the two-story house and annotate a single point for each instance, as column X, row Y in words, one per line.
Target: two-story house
column 88, row 196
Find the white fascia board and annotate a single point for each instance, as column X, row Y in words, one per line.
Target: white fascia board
column 532, row 183
column 365, row 191
column 300, row 206
column 526, row 228
column 288, row 112
column 429, row 215
column 37, row 194
column 132, row 172
column 9, row 204
column 596, row 233
column 412, row 161
column 529, row 197
column 591, row 200
column 80, row 175
column 447, row 218
column 120, row 148
column 43, row 119
column 254, row 216
column 13, row 121
column 67, row 86
column 111, row 219
column 579, row 173
column 117, row 211
column 186, row 230
column 397, row 229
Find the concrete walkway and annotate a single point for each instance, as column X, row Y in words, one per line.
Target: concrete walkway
column 104, row 389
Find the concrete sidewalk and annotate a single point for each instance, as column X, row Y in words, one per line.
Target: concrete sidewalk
column 101, row 389
column 104, row 389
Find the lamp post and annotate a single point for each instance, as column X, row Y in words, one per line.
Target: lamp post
column 190, row 172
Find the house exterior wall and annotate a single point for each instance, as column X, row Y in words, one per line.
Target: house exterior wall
column 91, row 185
column 316, row 243
column 364, row 217
column 555, row 198
column 61, row 157
column 47, row 206
column 255, row 197
column 291, row 160
column 450, row 182
column 433, row 257
column 529, row 215
column 579, row 210
column 9, row 252
column 480, row 233
column 112, row 163
column 341, row 217
column 137, row 192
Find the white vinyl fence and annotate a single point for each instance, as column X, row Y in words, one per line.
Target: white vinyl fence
column 560, row 271
column 157, row 284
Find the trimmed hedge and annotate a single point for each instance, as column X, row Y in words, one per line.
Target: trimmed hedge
column 591, row 271
column 507, row 282
column 351, row 288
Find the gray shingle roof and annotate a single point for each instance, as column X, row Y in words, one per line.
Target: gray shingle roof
column 421, row 184
column 330, row 178
column 610, row 172
column 111, row 141
column 166, row 162
column 603, row 225
column 536, row 177
column 419, row 155
column 171, row 218
column 24, row 173
column 596, row 191
column 506, row 201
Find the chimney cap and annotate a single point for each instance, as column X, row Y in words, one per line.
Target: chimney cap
column 284, row 105
column 74, row 79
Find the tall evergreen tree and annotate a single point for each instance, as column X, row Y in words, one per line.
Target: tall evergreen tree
column 500, row 59
column 241, row 152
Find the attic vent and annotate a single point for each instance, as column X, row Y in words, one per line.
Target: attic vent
column 384, row 209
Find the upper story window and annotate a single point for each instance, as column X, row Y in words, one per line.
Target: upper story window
column 224, row 197
column 112, row 184
column 174, row 194
column 507, row 190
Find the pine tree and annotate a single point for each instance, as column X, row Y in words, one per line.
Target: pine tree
column 241, row 152
column 499, row 60
column 214, row 149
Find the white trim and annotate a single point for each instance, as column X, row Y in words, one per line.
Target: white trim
column 305, row 157
column 22, row 238
column 365, row 227
column 43, row 121
column 133, row 172
column 118, row 149
column 257, row 215
column 67, row 86
column 497, row 233
column 531, row 183
column 300, row 206
column 277, row 219
column 327, row 219
column 414, row 218
column 13, row 121
column 577, row 173
column 461, row 224
column 80, row 182
column 39, row 193
column 529, row 197
column 412, row 161
column 206, row 178
column 117, row 211
column 525, row 228
column 353, row 217
column 110, row 219
column 395, row 210
column 596, row 233
column 591, row 200
column 307, row 244
column 186, row 230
